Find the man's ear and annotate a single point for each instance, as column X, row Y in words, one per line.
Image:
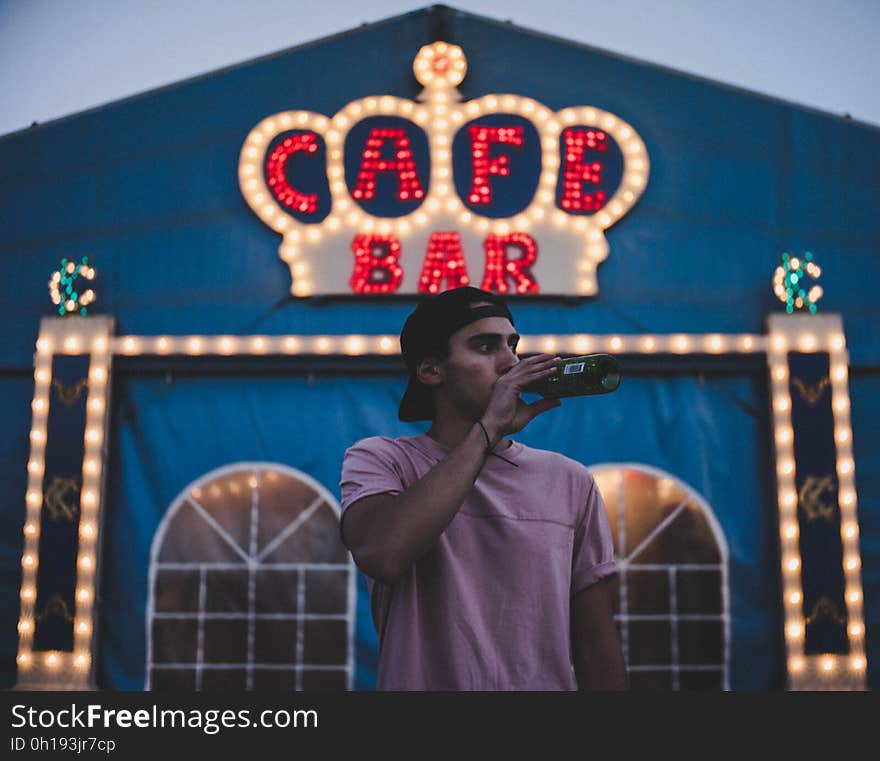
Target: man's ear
column 430, row 372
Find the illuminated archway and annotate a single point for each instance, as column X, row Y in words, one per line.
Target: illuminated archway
column 250, row 586
column 672, row 606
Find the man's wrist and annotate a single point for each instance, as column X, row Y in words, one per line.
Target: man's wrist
column 491, row 431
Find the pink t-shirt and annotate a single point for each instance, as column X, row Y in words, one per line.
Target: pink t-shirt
column 488, row 607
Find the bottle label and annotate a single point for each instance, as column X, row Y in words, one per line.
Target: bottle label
column 574, row 368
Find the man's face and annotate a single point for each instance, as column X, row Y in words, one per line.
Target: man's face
column 479, row 354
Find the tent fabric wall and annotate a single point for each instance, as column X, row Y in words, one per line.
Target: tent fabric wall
column 171, row 431
column 147, row 187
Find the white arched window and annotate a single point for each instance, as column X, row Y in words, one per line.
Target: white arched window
column 250, row 586
column 672, row 606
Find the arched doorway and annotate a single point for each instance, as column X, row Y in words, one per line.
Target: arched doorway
column 672, row 605
column 250, row 586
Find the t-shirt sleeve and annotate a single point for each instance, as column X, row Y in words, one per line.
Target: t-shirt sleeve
column 368, row 468
column 593, row 556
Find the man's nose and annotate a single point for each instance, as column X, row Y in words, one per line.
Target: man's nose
column 507, row 359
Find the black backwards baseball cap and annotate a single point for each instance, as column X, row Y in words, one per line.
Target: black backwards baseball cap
column 426, row 332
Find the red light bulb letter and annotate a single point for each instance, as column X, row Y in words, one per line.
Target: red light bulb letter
column 376, row 269
column 276, row 165
column 498, row 267
column 577, row 171
column 408, row 186
column 483, row 166
column 444, row 258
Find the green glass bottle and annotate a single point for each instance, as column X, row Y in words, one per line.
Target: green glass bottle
column 580, row 376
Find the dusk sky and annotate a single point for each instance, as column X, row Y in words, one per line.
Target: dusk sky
column 59, row 57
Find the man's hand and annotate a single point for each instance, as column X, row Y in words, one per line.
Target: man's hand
column 506, row 413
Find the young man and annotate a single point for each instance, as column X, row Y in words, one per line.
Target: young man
column 489, row 563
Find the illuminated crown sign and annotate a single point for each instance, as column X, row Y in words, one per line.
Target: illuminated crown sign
column 390, row 196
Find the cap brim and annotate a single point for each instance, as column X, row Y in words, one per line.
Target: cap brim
column 416, row 404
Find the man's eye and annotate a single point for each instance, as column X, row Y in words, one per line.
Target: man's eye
column 490, row 346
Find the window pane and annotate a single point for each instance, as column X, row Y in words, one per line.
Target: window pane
column 174, row 641
column 277, row 591
column 173, row 679
column 227, row 591
column 701, row 680
column 326, row 591
column 645, row 507
column 177, row 591
column 316, row 541
column 275, row 641
column 227, row 499
column 647, row 592
column 282, row 499
column 325, row 643
column 189, row 538
column 649, row 642
column 687, row 539
column 225, row 641
column 274, row 679
column 700, row 642
column 650, row 680
column 224, row 679
column 324, row 681
column 698, row 591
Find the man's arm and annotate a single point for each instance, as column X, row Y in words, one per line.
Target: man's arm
column 595, row 643
column 388, row 533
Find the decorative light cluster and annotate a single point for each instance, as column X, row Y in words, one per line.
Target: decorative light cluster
column 92, row 338
column 789, row 281
column 445, row 260
column 821, row 334
column 441, row 114
column 483, row 165
column 408, row 185
column 440, row 66
column 577, row 173
column 62, row 287
column 498, row 266
column 376, row 268
column 275, row 168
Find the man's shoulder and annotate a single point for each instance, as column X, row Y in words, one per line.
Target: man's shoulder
column 371, row 443
column 379, row 445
